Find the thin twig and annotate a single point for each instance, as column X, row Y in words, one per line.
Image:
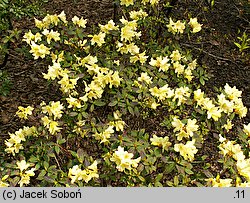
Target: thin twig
column 212, row 55
column 58, row 163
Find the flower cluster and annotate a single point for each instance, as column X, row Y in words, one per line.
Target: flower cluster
column 54, row 111
column 218, row 182
column 247, row 129
column 187, row 151
column 162, row 142
column 118, row 123
column 124, row 160
column 2, row 181
column 179, row 27
column 14, row 144
column 105, row 135
column 232, row 104
column 137, row 15
column 76, row 174
column 126, row 2
column 229, row 148
column 185, row 130
column 24, row 112
column 51, row 20
column 24, row 173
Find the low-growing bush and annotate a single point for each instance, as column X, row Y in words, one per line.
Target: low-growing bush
column 133, row 111
column 11, row 11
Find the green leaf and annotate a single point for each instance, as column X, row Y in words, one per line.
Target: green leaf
column 80, row 155
column 188, row 171
column 57, row 149
column 202, row 81
column 41, row 175
column 113, row 103
column 176, row 181
column 141, row 178
column 158, row 177
column 130, row 109
column 92, row 107
column 169, row 183
column 46, row 165
column 169, row 168
column 33, row 159
column 99, row 103
column 61, row 141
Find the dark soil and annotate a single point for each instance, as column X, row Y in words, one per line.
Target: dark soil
column 214, row 49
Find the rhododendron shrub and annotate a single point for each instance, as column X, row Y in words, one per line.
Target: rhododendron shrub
column 109, row 79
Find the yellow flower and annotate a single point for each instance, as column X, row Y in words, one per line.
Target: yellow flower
column 2, row 181
column 39, row 50
column 22, row 165
column 124, row 160
column 25, row 179
column 129, row 31
column 247, row 129
column 191, row 127
column 175, row 56
column 145, row 77
column 139, row 57
column 188, row 74
column 243, row 167
column 179, row 69
column 154, row 105
column 161, row 142
column 39, row 24
column 239, row 108
column 108, row 27
column 28, row 37
column 98, row 39
column 75, row 173
column 161, row 63
column 105, row 135
column 73, row 102
column 232, row 93
column 228, row 126
column 24, row 112
column 181, row 93
column 62, row 16
column 51, row 35
column 214, row 112
column 119, row 125
column 54, row 71
column 153, row 2
column 199, row 97
column 80, row 22
column 136, row 15
column 115, row 79
column 53, row 109
column 180, row 26
column 187, row 151
column 14, row 143
column 238, row 183
column 127, row 2
column 46, row 121
column 177, row 124
column 53, row 127
column 195, row 25
column 192, row 65
column 176, row 27
column 217, row 182
column 225, row 105
column 231, row 149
